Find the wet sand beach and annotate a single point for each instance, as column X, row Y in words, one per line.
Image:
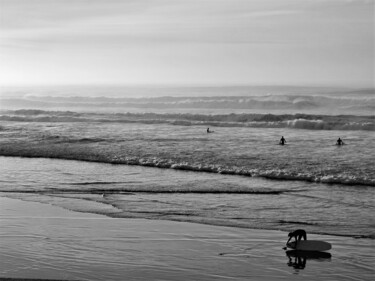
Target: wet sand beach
column 41, row 241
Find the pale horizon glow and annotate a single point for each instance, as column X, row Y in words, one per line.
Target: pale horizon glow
column 286, row 42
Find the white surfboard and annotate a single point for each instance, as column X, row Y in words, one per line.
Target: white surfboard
column 310, row 245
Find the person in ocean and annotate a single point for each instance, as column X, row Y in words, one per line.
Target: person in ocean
column 340, row 142
column 298, row 235
column 208, row 130
column 282, row 141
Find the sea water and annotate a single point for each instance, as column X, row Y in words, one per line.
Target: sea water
column 152, row 157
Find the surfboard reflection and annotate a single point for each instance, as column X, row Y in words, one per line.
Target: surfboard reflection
column 298, row 258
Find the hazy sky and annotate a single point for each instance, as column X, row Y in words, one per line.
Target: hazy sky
column 187, row 41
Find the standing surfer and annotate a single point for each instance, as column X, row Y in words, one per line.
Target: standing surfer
column 340, row 142
column 282, row 141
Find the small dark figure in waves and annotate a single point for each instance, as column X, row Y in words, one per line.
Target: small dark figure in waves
column 340, row 142
column 298, row 235
column 208, row 130
column 282, row 141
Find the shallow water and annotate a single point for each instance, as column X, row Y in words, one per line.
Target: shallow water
column 208, row 198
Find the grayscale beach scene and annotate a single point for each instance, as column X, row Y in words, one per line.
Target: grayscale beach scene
column 187, row 140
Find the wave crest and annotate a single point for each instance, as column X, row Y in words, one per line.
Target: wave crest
column 297, row 121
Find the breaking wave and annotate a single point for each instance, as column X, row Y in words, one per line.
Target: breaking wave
column 297, row 121
column 274, row 174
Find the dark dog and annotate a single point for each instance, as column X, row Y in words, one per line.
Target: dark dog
column 298, row 235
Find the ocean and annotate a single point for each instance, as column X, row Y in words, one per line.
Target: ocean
column 144, row 152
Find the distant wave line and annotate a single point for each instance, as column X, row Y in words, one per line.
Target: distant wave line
column 297, row 121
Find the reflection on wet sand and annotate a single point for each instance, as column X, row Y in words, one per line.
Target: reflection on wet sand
column 297, row 258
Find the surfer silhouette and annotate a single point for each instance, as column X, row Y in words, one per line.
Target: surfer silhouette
column 282, row 141
column 298, row 235
column 208, row 130
column 340, row 142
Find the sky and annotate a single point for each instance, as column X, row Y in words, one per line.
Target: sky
column 215, row 42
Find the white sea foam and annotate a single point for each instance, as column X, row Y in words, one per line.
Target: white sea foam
column 297, row 121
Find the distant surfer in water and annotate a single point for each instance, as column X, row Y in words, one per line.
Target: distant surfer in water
column 208, row 131
column 298, row 235
column 282, row 141
column 340, row 142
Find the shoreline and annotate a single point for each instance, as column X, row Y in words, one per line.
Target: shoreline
column 162, row 164
column 47, row 242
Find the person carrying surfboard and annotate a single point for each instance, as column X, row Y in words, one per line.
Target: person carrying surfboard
column 282, row 140
column 298, row 235
column 340, row 142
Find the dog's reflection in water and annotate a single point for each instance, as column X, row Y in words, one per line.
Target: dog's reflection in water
column 297, row 259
